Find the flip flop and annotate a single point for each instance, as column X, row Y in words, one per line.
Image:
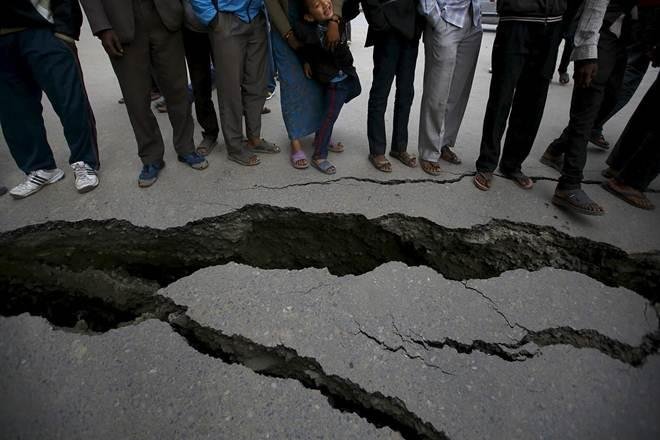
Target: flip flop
column 432, row 168
column 577, row 201
column 384, row 166
column 449, row 156
column 244, row 158
column 298, row 156
column 265, row 147
column 482, row 180
column 336, row 148
column 405, row 158
column 521, row 180
column 325, row 166
column 629, row 195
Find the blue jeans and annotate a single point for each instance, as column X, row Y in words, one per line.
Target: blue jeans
column 34, row 61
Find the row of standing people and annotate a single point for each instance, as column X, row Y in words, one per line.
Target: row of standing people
column 235, row 36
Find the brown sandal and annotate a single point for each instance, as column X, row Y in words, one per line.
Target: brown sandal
column 383, row 165
column 449, row 156
column 630, row 195
column 405, row 158
column 432, row 168
column 482, row 180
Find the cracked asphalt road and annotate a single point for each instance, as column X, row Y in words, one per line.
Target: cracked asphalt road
column 417, row 325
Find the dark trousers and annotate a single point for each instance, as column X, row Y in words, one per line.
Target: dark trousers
column 636, row 66
column 524, row 56
column 336, row 94
column 155, row 50
column 394, row 56
column 32, row 61
column 637, row 153
column 199, row 56
column 585, row 105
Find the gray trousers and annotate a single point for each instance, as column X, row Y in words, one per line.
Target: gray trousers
column 155, row 49
column 451, row 59
column 241, row 51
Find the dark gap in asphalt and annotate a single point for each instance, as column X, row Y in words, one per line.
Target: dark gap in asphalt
column 93, row 311
column 346, row 244
column 94, row 276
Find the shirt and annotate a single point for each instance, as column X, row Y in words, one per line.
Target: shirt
column 454, row 12
column 588, row 30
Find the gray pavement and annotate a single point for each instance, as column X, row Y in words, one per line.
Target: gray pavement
column 540, row 353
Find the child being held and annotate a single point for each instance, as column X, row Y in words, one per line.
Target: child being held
column 330, row 66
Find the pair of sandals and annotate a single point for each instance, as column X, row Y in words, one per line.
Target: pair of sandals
column 247, row 157
column 382, row 164
column 483, row 179
column 433, row 168
column 626, row 193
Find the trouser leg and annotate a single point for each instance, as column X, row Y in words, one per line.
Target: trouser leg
column 198, row 55
column 134, row 73
column 335, row 97
column 637, row 153
column 255, row 80
column 507, row 62
column 229, row 42
column 405, row 93
column 21, row 110
column 387, row 50
column 440, row 48
column 585, row 105
column 54, row 66
column 467, row 55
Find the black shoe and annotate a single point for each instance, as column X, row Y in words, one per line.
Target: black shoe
column 3, row 190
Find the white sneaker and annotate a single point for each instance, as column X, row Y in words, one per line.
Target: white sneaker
column 35, row 181
column 86, row 178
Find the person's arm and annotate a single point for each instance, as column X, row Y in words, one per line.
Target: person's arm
column 430, row 9
column 585, row 53
column 102, row 28
column 96, row 16
column 278, row 17
column 67, row 18
column 204, row 10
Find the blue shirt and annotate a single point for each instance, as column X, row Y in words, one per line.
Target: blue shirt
column 453, row 12
column 246, row 10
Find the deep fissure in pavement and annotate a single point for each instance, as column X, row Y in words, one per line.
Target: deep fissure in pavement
column 86, row 312
column 286, row 238
column 94, row 276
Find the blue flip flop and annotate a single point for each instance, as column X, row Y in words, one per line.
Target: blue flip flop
column 325, row 166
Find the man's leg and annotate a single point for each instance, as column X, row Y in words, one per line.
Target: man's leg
column 467, row 55
column 585, row 105
column 440, row 48
column 21, row 110
column 55, row 67
column 255, row 80
column 638, row 150
column 405, row 93
column 507, row 60
column 134, row 72
column 386, row 55
column 530, row 97
column 198, row 55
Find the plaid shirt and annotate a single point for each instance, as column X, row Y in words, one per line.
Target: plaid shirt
column 455, row 12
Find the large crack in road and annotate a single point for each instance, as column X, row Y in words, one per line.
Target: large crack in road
column 286, row 238
column 94, row 276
